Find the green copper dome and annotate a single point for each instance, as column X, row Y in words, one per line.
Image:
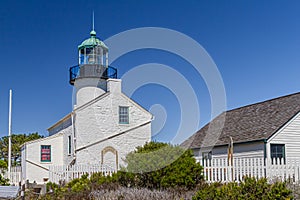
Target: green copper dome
column 92, row 42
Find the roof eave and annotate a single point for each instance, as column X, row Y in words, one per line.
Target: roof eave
column 239, row 142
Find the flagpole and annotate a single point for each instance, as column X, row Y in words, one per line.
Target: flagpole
column 9, row 133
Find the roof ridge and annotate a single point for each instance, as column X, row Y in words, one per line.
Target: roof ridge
column 256, row 124
column 264, row 101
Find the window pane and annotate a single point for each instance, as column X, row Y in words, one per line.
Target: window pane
column 69, row 144
column 277, row 152
column 207, row 157
column 123, row 115
column 45, row 153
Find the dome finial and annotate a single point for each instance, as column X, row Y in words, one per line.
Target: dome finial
column 93, row 32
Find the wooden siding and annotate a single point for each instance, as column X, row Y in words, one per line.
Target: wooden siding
column 244, row 150
column 290, row 136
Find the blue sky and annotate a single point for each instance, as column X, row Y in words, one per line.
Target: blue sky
column 255, row 45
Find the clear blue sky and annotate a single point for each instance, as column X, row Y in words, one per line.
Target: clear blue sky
column 254, row 43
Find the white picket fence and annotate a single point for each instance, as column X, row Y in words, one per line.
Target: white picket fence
column 215, row 170
column 15, row 175
column 64, row 173
column 219, row 170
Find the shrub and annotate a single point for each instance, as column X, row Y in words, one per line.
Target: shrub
column 79, row 184
column 3, row 169
column 3, row 181
column 161, row 165
column 249, row 188
column 98, row 180
column 279, row 190
column 51, row 186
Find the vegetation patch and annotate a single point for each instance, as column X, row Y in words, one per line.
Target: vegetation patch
column 249, row 188
column 181, row 179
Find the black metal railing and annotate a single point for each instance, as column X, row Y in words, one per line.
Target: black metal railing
column 91, row 71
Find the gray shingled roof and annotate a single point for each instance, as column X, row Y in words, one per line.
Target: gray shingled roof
column 249, row 123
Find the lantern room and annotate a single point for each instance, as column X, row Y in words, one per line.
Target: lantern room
column 93, row 51
column 93, row 61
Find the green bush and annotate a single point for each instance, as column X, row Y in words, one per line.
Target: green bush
column 79, row 184
column 249, row 188
column 160, row 165
column 54, row 191
column 51, row 186
column 279, row 190
column 3, row 181
column 78, row 188
column 3, row 168
column 99, row 178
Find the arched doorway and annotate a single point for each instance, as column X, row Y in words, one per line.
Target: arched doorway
column 109, row 156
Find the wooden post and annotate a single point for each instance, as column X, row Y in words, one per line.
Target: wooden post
column 230, row 159
column 23, row 192
column 9, row 136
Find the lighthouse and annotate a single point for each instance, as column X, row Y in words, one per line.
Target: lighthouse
column 90, row 75
column 102, row 128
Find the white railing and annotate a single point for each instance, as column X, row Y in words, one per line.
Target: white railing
column 220, row 170
column 15, row 175
column 64, row 173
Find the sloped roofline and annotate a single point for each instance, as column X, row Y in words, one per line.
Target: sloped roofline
column 41, row 139
column 79, row 108
column 283, row 126
column 261, row 102
column 94, row 101
column 202, row 132
column 137, row 105
column 265, row 101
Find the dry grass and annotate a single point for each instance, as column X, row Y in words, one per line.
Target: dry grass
column 123, row 193
column 295, row 189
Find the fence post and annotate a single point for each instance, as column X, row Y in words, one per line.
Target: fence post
column 296, row 171
column 266, row 171
column 23, row 192
column 204, row 169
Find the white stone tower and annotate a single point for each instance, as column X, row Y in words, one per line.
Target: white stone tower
column 103, row 127
column 90, row 75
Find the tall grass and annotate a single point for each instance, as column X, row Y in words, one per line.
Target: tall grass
column 140, row 194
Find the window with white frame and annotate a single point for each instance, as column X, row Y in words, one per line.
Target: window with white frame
column 277, row 153
column 123, row 114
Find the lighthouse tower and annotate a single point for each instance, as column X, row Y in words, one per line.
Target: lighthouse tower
column 103, row 127
column 90, row 75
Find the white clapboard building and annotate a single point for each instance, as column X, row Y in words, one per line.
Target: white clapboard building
column 103, row 127
column 257, row 140
column 268, row 130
